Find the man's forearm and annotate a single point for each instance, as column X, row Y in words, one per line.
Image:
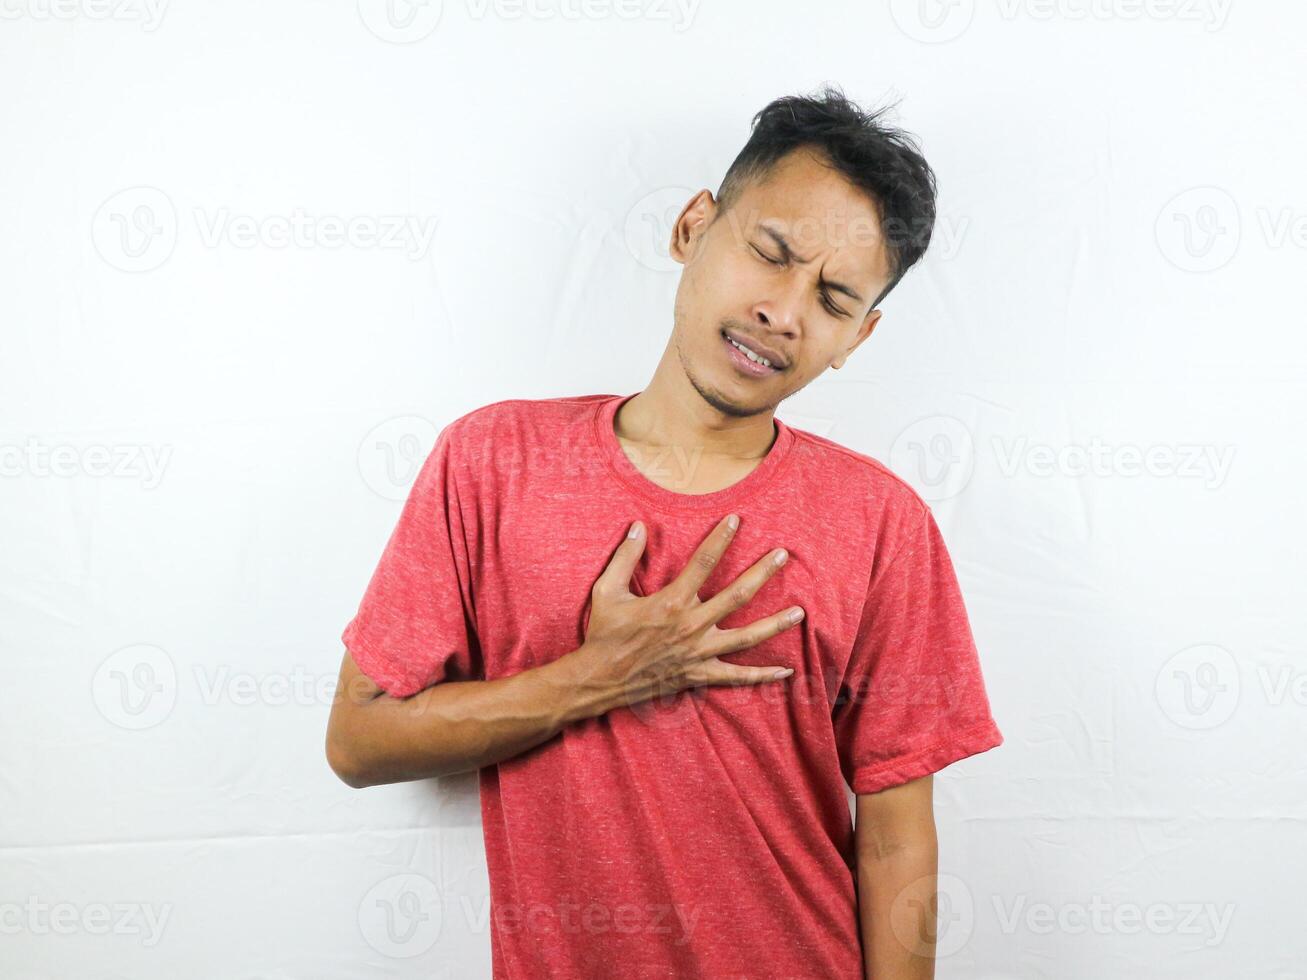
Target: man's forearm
column 897, row 911
column 461, row 726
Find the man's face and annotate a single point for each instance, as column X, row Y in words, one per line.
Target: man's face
column 792, row 268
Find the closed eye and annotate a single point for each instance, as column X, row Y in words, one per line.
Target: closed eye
column 832, row 307
column 835, row 310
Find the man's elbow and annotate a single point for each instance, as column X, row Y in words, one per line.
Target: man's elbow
column 344, row 764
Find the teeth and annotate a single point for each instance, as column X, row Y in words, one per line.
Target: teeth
column 751, row 355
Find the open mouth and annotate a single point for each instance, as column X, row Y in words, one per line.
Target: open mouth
column 747, row 360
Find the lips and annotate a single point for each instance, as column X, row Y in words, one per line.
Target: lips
column 778, row 362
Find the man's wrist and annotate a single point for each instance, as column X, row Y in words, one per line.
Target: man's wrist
column 575, row 689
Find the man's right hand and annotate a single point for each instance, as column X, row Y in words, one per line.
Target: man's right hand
column 641, row 647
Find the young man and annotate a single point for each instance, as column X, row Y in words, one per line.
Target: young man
column 581, row 600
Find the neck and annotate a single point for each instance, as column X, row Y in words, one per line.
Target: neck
column 671, row 412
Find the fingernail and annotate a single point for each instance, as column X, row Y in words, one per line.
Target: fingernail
column 781, row 556
column 635, row 530
column 782, row 673
column 796, row 615
column 733, row 521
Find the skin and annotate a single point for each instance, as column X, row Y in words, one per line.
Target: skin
column 763, row 268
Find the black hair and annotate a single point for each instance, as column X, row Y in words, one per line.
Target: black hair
column 879, row 158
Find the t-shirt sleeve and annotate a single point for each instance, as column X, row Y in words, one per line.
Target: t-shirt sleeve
column 913, row 699
column 415, row 625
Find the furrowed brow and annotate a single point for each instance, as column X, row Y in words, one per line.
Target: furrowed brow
column 788, row 253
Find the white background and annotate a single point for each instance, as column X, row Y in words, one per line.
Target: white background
column 1096, row 378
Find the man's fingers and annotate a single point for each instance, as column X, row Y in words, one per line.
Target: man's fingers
column 616, row 578
column 743, row 589
column 705, row 558
column 719, row 673
column 722, row 641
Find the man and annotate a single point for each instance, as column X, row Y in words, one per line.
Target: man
column 581, row 600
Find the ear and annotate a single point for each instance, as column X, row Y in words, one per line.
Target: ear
column 691, row 224
column 868, row 325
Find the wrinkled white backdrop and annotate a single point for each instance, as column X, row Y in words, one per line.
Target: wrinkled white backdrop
column 255, row 255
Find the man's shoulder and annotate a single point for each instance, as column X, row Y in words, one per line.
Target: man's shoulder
column 855, row 473
column 514, row 411
column 496, row 425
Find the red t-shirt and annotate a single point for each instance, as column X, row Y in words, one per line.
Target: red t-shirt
column 706, row 834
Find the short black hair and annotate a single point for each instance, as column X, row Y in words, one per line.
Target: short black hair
column 879, row 158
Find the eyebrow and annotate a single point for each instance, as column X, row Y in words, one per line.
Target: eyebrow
column 788, row 253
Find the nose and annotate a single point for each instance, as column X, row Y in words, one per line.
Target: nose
column 782, row 310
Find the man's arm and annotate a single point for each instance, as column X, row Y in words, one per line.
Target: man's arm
column 453, row 727
column 636, row 648
column 898, row 857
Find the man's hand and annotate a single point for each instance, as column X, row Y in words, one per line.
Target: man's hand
column 641, row 647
